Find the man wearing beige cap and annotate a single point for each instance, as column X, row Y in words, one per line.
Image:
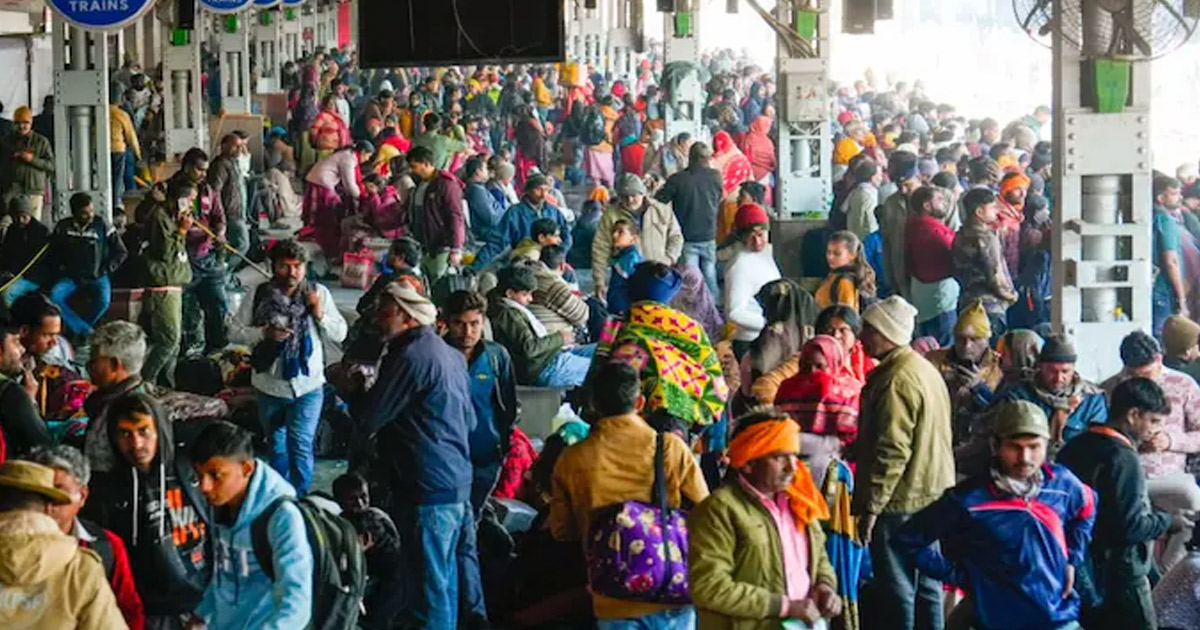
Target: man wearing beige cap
column 26, row 162
column 990, row 519
column 46, row 579
column 420, row 407
column 905, row 462
column 1181, row 345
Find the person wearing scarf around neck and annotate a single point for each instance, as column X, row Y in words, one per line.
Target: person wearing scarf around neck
column 742, row 575
column 1072, row 403
column 1013, row 190
column 1011, row 584
column 286, row 321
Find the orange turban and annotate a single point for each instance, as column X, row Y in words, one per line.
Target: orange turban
column 1014, row 181
column 781, row 436
column 599, row 194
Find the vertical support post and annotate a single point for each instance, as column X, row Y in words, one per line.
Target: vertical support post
column 183, row 106
column 292, row 46
column 268, row 42
column 234, row 44
column 152, row 41
column 624, row 36
column 81, row 125
column 308, row 30
column 805, row 147
column 681, row 37
column 135, row 38
column 331, row 27
column 1102, row 249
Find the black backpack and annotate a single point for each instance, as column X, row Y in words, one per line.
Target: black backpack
column 339, row 566
column 592, row 133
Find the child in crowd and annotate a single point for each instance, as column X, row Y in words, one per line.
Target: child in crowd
column 626, row 257
column 849, row 274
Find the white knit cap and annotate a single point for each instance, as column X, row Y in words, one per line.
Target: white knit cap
column 894, row 318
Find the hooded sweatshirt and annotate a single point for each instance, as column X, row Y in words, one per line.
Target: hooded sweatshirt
column 167, row 546
column 48, row 581
column 240, row 594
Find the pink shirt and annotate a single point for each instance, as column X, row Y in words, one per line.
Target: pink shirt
column 794, row 542
column 1182, row 424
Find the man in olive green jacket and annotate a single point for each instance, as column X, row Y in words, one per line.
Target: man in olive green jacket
column 26, row 163
column 905, row 462
column 168, row 271
column 660, row 237
column 756, row 550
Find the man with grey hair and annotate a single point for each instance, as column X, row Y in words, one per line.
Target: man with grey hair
column 72, row 475
column 118, row 352
column 695, row 195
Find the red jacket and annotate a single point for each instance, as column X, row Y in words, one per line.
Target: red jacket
column 928, row 243
column 441, row 225
column 120, row 575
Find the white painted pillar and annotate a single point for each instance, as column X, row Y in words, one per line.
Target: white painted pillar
column 268, row 44
column 681, row 33
column 1102, row 193
column 805, row 147
column 81, row 129
column 234, row 44
column 183, row 97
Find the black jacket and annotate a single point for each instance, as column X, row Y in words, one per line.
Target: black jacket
column 20, row 423
column 86, row 254
column 1126, row 525
column 169, row 549
column 695, row 195
column 21, row 243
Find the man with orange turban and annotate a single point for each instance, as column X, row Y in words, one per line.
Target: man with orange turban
column 742, row 571
column 1013, row 189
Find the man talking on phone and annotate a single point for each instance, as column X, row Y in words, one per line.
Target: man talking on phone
column 285, row 321
column 168, row 271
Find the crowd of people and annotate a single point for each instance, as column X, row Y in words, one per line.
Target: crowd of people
column 896, row 439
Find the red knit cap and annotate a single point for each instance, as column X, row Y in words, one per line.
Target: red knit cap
column 749, row 216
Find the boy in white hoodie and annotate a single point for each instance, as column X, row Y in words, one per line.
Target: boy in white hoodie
column 752, row 267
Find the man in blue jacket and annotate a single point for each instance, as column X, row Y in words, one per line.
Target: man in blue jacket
column 517, row 222
column 420, row 406
column 1014, row 536
column 240, row 488
column 484, row 209
column 493, row 390
column 1071, row 403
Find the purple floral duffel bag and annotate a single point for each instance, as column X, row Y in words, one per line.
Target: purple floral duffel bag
column 633, row 554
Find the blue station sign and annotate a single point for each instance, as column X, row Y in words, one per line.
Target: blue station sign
column 226, row 6
column 101, row 15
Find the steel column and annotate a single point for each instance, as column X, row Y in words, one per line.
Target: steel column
column 1101, row 242
column 183, row 98
column 805, row 147
column 681, row 43
column 268, row 43
column 81, row 127
column 234, row 45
